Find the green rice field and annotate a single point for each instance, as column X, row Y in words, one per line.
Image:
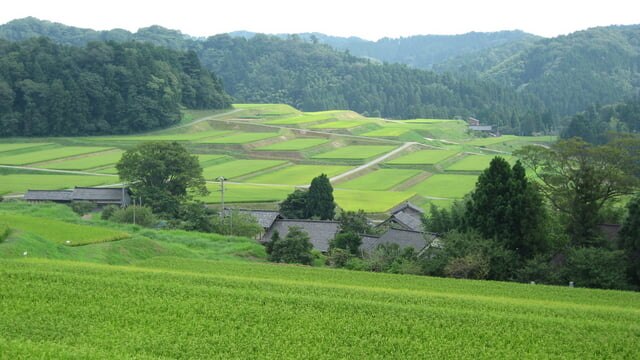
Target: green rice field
column 204, row 159
column 20, row 146
column 267, row 110
column 48, row 154
column 169, row 137
column 387, row 132
column 239, row 138
column 446, row 186
column 475, row 162
column 370, row 201
column 19, row 183
column 60, row 232
column 307, row 117
column 355, row 152
column 423, row 157
column 236, row 168
column 492, row 140
column 297, row 174
column 294, row 145
column 341, row 124
column 382, row 179
column 246, row 193
column 86, row 162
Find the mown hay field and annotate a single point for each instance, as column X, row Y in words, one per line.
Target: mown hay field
column 382, row 179
column 178, row 308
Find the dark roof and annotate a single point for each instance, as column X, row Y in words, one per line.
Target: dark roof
column 404, row 238
column 409, row 221
column 99, row 194
column 481, row 127
column 49, row 195
column 320, row 232
column 265, row 218
column 406, row 205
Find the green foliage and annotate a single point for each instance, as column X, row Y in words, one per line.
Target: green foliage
column 237, row 224
column 125, row 87
column 108, row 211
column 295, row 205
column 319, row 201
column 164, row 174
column 441, row 220
column 348, row 241
column 339, row 257
column 5, row 231
column 579, row 179
column 138, row 215
column 355, row 222
column 472, row 266
column 82, row 207
column 629, row 238
column 195, row 216
column 596, row 268
column 294, row 248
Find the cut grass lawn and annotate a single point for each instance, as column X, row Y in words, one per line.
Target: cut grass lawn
column 246, row 193
column 168, row 307
column 341, row 124
column 20, row 146
column 387, row 132
column 48, row 154
column 20, row 183
column 294, row 145
column 475, row 162
column 297, row 174
column 236, row 168
column 382, row 179
column 61, row 232
column 370, row 201
column 355, row 152
column 423, row 157
column 239, row 138
column 86, row 162
column 448, row 186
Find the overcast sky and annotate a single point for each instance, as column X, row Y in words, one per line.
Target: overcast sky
column 370, row 19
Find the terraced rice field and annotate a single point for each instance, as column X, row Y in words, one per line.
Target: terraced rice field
column 60, row 232
column 239, row 138
column 341, row 124
column 308, row 117
column 297, row 174
column 204, row 159
column 86, row 162
column 20, row 183
column 386, row 132
column 370, row 201
column 236, row 168
column 293, row 145
column 20, row 146
column 355, row 152
column 267, row 110
column 382, row 179
column 246, row 193
column 423, row 157
column 169, row 137
column 475, row 163
column 446, row 186
column 492, row 140
column 48, row 154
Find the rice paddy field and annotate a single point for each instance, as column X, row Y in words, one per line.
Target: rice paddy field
column 49, row 154
column 168, row 137
column 308, row 117
column 20, row 146
column 387, row 132
column 293, row 145
column 297, row 174
column 355, row 152
column 246, row 193
column 236, row 168
column 423, row 157
column 475, row 163
column 86, row 162
column 382, row 179
column 447, row 186
column 239, row 138
column 342, row 124
column 370, row 201
column 21, row 182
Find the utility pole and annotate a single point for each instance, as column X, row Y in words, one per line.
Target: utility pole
column 222, row 180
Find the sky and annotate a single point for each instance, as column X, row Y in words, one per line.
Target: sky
column 371, row 20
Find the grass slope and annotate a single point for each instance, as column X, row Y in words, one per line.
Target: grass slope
column 176, row 308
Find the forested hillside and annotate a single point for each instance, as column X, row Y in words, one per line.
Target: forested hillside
column 104, row 87
column 568, row 73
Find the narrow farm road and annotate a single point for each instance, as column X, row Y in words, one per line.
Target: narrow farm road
column 374, row 161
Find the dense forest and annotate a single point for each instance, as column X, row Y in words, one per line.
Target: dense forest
column 102, row 88
column 599, row 123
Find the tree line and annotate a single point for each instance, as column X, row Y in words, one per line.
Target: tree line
column 102, row 88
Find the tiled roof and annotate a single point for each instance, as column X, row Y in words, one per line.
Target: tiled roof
column 98, row 194
column 411, row 222
column 404, row 238
column 265, row 218
column 48, row 195
column 320, row 232
column 406, row 205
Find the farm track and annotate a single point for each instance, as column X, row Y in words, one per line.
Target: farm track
column 374, row 161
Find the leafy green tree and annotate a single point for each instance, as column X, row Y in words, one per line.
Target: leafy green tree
column 163, row 174
column 294, row 248
column 139, row 215
column 320, row 199
column 295, row 205
column 596, row 268
column 579, row 179
column 354, row 222
column 236, row 223
column 629, row 237
column 349, row 241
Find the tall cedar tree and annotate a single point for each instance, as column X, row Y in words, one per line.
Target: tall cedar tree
column 320, row 199
column 508, row 207
column 163, row 174
column 295, row 205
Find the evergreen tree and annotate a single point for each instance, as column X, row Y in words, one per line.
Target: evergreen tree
column 295, row 205
column 629, row 237
column 320, row 199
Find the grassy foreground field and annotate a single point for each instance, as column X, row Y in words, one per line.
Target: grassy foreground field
column 177, row 308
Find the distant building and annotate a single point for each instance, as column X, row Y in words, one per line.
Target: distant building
column 473, row 122
column 403, row 238
column 474, row 125
column 320, row 231
column 405, row 216
column 100, row 196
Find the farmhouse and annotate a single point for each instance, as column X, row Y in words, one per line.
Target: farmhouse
column 320, row 231
column 405, row 217
column 403, row 238
column 99, row 196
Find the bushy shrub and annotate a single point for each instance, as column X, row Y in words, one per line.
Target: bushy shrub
column 294, row 248
column 473, row 266
column 143, row 216
column 82, row 207
column 108, row 211
column 347, row 241
column 5, row 231
column 596, row 268
column 338, row 257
